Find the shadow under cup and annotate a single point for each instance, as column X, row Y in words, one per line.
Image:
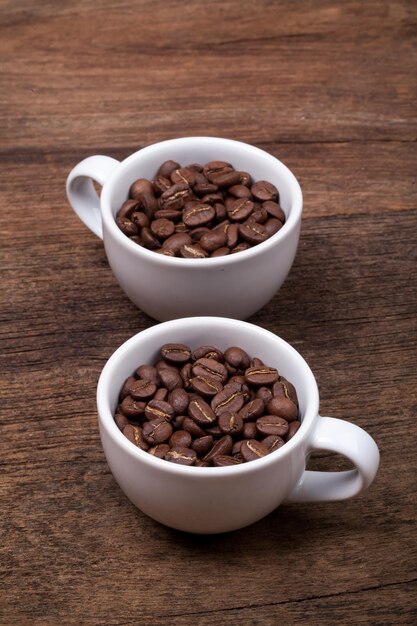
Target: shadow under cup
column 199, row 499
column 233, row 286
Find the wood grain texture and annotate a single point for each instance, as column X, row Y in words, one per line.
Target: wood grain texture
column 329, row 88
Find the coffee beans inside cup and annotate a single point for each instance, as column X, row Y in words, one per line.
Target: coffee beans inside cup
column 206, row 407
column 199, row 211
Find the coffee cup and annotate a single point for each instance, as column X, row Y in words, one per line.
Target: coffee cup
column 219, row 499
column 236, row 285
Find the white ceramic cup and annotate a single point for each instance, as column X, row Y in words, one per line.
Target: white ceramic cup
column 236, row 285
column 219, row 499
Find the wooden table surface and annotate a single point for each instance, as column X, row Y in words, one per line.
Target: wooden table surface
column 329, row 88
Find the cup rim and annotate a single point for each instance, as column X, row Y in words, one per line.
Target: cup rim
column 291, row 222
column 106, row 418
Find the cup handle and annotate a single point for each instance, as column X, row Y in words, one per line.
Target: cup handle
column 352, row 442
column 81, row 193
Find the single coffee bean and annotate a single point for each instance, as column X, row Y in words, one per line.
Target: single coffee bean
column 222, row 446
column 229, row 399
column 161, row 394
column 135, row 435
column 177, row 353
column 210, row 367
column 253, row 232
column 197, row 214
column 282, row 406
column 240, row 191
column 239, row 209
column 231, row 423
column 252, row 410
column 132, row 408
column 181, row 455
column 127, row 208
column 236, row 447
column 223, row 460
column 258, row 215
column 241, row 247
column 293, row 428
column 189, row 251
column 142, row 389
column 121, row 421
column 175, row 197
column 284, row 387
column 272, row 425
column 261, row 375
column 220, row 252
column 206, row 385
column 207, row 352
column 220, row 210
column 251, row 449
column 149, row 240
column 140, row 187
column 140, row 220
column 159, row 409
column 149, row 203
column 204, row 188
column 161, row 184
column 170, row 378
column 236, row 357
column 274, row 210
column 202, row 444
column 186, row 373
column 176, row 241
column 157, row 431
column 216, row 167
column 127, row 386
column 273, row 442
column 180, row 438
column 224, row 180
column 213, row 240
column 263, row 191
column 169, row 214
column 179, row 399
column 127, row 226
column 201, row 412
column 159, row 450
column 183, row 174
column 250, row 431
column 148, row 372
column 214, row 431
column 272, row 226
column 265, row 394
column 192, row 427
column 245, row 179
column 162, row 228
column 167, row 167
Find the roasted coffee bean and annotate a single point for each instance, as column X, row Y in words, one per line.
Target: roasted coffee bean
column 207, row 352
column 176, row 241
column 197, row 214
column 170, row 378
column 167, row 168
column 292, row 429
column 159, row 450
column 181, row 455
column 121, row 421
column 252, row 410
column 261, row 375
column 191, row 197
column 206, row 385
column 210, row 367
column 159, row 409
column 180, row 438
column 229, row 399
column 189, row 251
column 273, row 442
column 230, row 423
column 253, row 233
column 179, row 399
column 142, row 389
column 202, row 444
column 177, row 353
column 282, row 406
column 127, row 226
column 135, row 435
column 210, row 402
column 223, row 460
column 157, row 431
column 264, row 191
column 272, row 425
column 132, row 408
column 222, row 446
column 251, row 449
column 201, row 412
column 236, row 357
column 162, row 228
column 249, row 430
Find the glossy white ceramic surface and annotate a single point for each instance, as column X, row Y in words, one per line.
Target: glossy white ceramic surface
column 235, row 286
column 219, row 499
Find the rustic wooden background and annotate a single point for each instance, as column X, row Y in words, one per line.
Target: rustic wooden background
column 329, row 88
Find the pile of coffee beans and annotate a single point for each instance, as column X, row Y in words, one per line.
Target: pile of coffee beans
column 206, row 407
column 200, row 211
